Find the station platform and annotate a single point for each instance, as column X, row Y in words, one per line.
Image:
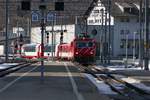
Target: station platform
column 140, row 78
column 134, row 75
column 61, row 81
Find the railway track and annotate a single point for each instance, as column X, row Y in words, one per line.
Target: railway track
column 11, row 69
column 126, row 90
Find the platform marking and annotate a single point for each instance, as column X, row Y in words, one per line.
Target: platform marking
column 12, row 82
column 74, row 85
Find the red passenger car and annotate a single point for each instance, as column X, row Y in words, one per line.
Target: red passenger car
column 81, row 49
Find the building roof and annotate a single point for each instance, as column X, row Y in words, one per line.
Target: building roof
column 124, row 7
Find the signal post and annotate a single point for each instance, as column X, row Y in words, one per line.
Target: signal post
column 42, row 8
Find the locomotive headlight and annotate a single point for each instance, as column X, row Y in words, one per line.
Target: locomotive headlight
column 76, row 53
column 91, row 52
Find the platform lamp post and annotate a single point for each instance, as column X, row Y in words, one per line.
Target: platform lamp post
column 140, row 35
column 134, row 46
column 126, row 59
column 42, row 9
column 109, row 31
column 146, row 51
column 102, row 30
column 6, row 31
column 105, row 39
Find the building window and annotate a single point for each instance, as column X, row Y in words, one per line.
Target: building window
column 50, row 16
column 124, row 32
column 123, row 44
column 121, row 31
column 96, row 20
column 137, row 20
column 121, row 19
column 100, row 20
column 127, row 31
column 91, row 21
column 127, row 20
column 35, row 16
column 2, row 34
column 96, row 11
column 124, row 19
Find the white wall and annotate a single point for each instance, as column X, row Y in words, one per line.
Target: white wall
column 1, row 49
column 132, row 26
column 67, row 37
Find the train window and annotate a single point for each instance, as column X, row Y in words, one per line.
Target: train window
column 90, row 44
column 81, row 44
column 49, row 49
column 64, row 49
column 29, row 49
column 84, row 44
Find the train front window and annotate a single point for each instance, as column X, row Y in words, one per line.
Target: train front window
column 29, row 49
column 81, row 44
column 90, row 44
column 49, row 48
column 84, row 44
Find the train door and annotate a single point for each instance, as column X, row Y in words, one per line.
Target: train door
column 38, row 51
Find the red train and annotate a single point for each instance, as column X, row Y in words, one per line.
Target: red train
column 81, row 49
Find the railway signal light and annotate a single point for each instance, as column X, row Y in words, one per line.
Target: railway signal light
column 61, row 33
column 21, row 38
column 21, row 42
column 65, row 30
column 47, row 33
column 94, row 32
column 15, row 48
column 61, row 37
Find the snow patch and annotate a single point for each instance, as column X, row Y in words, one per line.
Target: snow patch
column 137, row 83
column 7, row 65
column 101, row 86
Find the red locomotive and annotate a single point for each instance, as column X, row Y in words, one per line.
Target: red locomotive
column 81, row 49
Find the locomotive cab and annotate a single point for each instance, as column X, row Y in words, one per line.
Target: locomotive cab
column 85, row 50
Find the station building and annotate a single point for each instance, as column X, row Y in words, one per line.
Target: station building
column 125, row 27
column 124, row 22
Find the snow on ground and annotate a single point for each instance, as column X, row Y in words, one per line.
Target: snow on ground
column 3, row 67
column 10, row 64
column 7, row 65
column 119, row 67
column 101, row 86
column 122, row 67
column 137, row 83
